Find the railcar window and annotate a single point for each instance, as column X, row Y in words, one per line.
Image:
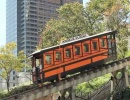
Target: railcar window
column 95, row 45
column 109, row 43
column 40, row 66
column 77, row 50
column 110, row 36
column 48, row 59
column 102, row 41
column 68, row 53
column 58, row 55
column 34, row 69
column 37, row 62
column 86, row 48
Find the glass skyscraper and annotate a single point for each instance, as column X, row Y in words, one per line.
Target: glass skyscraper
column 25, row 18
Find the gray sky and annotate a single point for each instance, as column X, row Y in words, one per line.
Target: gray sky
column 3, row 21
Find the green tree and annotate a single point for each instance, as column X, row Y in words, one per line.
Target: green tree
column 73, row 19
column 9, row 61
column 116, row 17
column 69, row 23
column 94, row 21
column 96, row 16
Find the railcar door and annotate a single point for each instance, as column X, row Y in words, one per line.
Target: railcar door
column 37, row 68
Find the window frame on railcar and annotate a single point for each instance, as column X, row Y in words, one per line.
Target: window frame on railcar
column 86, row 47
column 77, row 50
column 103, row 42
column 58, row 56
column 93, row 48
column 51, row 62
column 68, row 52
column 88, row 42
column 56, row 53
column 48, row 59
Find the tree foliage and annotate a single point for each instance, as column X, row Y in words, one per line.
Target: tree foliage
column 93, row 84
column 9, row 61
column 73, row 19
column 116, row 17
column 96, row 16
column 69, row 24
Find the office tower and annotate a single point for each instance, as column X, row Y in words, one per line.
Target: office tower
column 25, row 18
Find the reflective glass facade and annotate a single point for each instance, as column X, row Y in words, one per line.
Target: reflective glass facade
column 26, row 17
column 11, row 21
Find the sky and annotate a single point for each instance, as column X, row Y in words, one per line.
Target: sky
column 3, row 21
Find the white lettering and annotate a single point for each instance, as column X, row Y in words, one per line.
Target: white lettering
column 75, row 38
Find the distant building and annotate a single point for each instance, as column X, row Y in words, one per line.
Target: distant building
column 25, row 18
column 16, row 79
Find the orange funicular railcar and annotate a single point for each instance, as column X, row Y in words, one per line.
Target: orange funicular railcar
column 73, row 56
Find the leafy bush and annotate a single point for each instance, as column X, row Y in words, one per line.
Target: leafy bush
column 3, row 95
column 16, row 90
column 92, row 85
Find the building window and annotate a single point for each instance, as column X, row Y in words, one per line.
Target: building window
column 13, row 78
column 58, row 55
column 95, row 45
column 86, row 48
column 48, row 59
column 13, row 84
column 68, row 53
column 13, row 72
column 77, row 50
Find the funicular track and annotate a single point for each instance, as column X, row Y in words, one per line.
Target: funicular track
column 39, row 92
column 103, row 92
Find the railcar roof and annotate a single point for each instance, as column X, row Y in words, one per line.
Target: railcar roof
column 38, row 51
